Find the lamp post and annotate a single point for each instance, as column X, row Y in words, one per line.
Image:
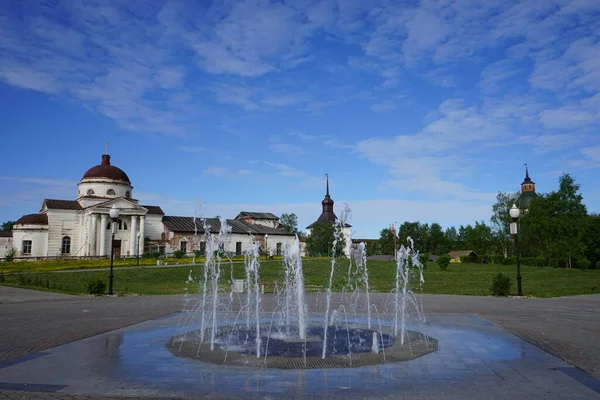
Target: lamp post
column 514, row 214
column 114, row 214
column 393, row 230
column 137, row 252
column 266, row 246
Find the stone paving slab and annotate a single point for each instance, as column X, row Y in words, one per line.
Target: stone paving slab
column 475, row 359
column 32, row 321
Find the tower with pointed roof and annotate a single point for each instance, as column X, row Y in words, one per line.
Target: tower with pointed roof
column 328, row 217
column 527, row 191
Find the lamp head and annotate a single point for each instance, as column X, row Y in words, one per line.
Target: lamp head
column 514, row 212
column 114, row 212
column 139, row 234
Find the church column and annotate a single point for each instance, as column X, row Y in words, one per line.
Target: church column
column 142, row 221
column 103, row 220
column 133, row 236
column 94, row 235
column 88, row 235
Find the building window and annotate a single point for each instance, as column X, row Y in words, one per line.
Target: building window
column 238, row 248
column 128, row 194
column 202, row 248
column 26, row 249
column 122, row 225
column 66, row 245
column 278, row 249
column 110, row 192
column 90, row 191
column 183, row 246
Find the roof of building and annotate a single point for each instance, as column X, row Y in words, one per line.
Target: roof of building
column 105, row 170
column 327, row 215
column 53, row 204
column 459, row 253
column 187, row 225
column 5, row 233
column 257, row 215
column 33, row 219
column 524, row 200
column 155, row 210
column 527, row 178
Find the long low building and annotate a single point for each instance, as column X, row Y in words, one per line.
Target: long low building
column 83, row 227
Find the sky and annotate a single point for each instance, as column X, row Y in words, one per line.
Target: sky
column 416, row 110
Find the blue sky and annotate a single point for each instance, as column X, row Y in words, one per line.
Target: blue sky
column 417, row 110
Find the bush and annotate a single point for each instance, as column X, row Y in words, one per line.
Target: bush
column 509, row 261
column 10, row 254
column 443, row 261
column 424, row 258
column 500, row 285
column 583, row 263
column 1, row 277
column 465, row 259
column 96, row 287
column 198, row 253
column 178, row 254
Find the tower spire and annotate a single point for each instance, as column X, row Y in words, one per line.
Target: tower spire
column 526, row 172
column 327, row 177
column 105, row 147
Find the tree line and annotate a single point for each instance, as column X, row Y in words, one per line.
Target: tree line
column 556, row 231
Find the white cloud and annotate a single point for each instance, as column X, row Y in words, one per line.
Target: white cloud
column 286, row 148
column 592, row 153
column 193, row 149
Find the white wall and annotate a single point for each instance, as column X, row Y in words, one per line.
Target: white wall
column 63, row 223
column 153, row 227
column 101, row 185
column 38, row 236
column 6, row 243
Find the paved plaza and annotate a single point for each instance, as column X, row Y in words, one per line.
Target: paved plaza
column 57, row 346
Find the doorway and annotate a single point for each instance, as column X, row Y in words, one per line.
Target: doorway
column 117, row 248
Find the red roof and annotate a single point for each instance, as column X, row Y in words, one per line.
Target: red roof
column 33, row 219
column 105, row 170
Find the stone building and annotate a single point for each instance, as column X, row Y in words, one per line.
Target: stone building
column 83, row 227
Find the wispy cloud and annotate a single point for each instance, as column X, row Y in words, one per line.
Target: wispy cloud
column 193, row 149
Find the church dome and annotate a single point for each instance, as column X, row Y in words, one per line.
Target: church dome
column 107, row 171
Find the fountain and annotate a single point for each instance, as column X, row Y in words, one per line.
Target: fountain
column 222, row 329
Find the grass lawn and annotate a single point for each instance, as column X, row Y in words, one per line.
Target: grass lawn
column 464, row 279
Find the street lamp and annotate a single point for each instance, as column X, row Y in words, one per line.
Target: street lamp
column 514, row 214
column 266, row 246
column 114, row 214
column 137, row 253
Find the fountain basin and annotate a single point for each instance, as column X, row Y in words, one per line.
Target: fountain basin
column 347, row 347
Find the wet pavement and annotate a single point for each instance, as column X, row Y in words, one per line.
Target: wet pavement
column 71, row 347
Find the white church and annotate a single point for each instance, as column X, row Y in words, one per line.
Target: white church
column 84, row 227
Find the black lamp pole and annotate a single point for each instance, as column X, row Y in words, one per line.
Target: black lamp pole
column 515, row 213
column 114, row 214
column 137, row 252
column 519, row 287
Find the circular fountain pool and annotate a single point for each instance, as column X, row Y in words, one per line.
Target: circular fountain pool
column 281, row 347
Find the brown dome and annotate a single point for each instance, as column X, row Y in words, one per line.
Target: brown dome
column 33, row 219
column 105, row 170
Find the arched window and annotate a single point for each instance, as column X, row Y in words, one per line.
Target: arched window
column 121, row 225
column 110, row 192
column 66, row 245
column 128, row 194
column 90, row 191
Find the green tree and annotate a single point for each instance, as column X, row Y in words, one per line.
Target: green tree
column 289, row 222
column 478, row 238
column 452, row 239
column 555, row 225
column 500, row 221
column 591, row 242
column 385, row 243
column 320, row 240
column 7, row 226
column 416, row 231
column 437, row 240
